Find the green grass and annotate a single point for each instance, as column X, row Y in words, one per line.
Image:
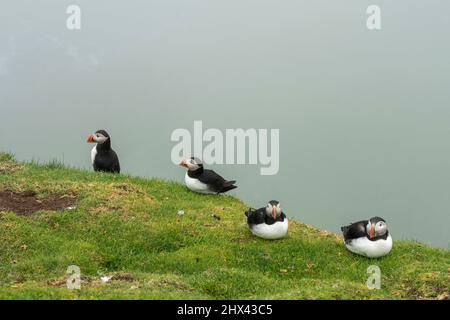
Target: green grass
column 128, row 227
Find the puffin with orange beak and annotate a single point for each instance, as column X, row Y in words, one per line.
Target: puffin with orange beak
column 204, row 181
column 369, row 238
column 269, row 222
column 103, row 158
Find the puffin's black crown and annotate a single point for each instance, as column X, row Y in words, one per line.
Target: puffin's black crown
column 376, row 220
column 274, row 202
column 103, row 132
column 197, row 161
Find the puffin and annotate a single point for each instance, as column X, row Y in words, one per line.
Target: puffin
column 204, row 181
column 103, row 158
column 269, row 222
column 369, row 238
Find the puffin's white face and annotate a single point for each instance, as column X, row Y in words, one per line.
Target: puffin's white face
column 375, row 229
column 273, row 209
column 192, row 164
column 97, row 138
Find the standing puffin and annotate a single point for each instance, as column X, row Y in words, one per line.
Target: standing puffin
column 269, row 222
column 103, row 158
column 202, row 180
column 369, row 238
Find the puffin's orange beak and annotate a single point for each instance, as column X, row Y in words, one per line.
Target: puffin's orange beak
column 372, row 231
column 91, row 139
column 274, row 212
column 183, row 163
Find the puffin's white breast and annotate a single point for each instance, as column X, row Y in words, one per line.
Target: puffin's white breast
column 371, row 249
column 196, row 185
column 93, row 154
column 274, row 231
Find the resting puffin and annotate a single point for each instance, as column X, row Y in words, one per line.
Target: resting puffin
column 269, row 222
column 202, row 180
column 103, row 158
column 369, row 238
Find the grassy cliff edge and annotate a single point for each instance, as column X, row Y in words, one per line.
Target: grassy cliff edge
column 128, row 228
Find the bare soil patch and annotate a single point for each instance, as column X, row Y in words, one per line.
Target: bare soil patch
column 24, row 203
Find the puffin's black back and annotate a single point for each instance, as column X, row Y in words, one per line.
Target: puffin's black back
column 355, row 230
column 358, row 230
column 259, row 216
column 214, row 181
column 255, row 216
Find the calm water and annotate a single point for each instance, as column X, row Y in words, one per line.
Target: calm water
column 364, row 117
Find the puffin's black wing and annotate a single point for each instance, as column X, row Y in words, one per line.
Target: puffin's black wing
column 255, row 216
column 107, row 161
column 116, row 165
column 355, row 230
column 215, row 182
column 281, row 217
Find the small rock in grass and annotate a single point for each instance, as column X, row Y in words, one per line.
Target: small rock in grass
column 180, row 212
